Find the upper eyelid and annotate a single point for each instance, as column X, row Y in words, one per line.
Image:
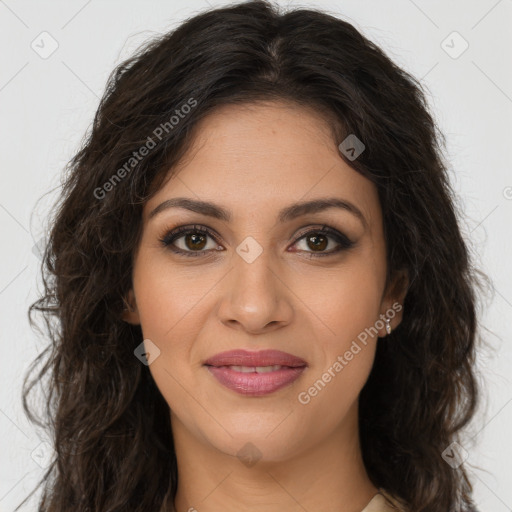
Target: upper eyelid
column 180, row 231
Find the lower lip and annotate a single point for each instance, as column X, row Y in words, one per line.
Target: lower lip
column 255, row 384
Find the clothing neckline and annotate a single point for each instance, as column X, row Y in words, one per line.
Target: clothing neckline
column 380, row 502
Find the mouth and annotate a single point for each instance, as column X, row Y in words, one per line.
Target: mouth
column 254, row 369
column 255, row 373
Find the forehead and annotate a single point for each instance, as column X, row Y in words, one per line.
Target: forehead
column 258, row 157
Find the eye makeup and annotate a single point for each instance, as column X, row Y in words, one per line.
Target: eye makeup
column 199, row 233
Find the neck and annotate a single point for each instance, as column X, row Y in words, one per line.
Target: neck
column 329, row 476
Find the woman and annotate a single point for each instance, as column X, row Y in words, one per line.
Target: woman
column 264, row 297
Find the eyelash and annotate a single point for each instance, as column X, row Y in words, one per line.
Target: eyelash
column 175, row 234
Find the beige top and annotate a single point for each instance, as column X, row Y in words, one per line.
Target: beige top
column 381, row 502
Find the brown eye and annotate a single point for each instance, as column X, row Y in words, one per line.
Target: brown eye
column 317, row 241
column 190, row 240
column 195, row 242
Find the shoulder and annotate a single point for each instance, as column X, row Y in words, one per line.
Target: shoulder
column 385, row 502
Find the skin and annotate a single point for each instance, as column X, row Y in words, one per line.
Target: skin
column 255, row 160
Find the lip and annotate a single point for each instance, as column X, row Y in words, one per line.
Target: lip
column 255, row 384
column 251, row 358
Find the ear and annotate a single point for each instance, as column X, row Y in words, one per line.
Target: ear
column 130, row 312
column 392, row 305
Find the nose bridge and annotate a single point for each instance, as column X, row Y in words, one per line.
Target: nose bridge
column 255, row 293
column 253, row 275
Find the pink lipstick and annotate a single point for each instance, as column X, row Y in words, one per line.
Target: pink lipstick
column 255, row 373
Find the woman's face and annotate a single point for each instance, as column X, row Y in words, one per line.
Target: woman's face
column 255, row 282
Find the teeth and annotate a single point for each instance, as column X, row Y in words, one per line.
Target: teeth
column 257, row 369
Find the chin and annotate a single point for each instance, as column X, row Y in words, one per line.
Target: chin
column 260, row 443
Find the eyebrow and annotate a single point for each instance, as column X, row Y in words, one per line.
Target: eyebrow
column 286, row 214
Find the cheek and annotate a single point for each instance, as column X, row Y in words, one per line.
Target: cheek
column 346, row 300
column 345, row 346
column 166, row 298
column 170, row 314
column 330, row 395
column 347, row 303
column 173, row 308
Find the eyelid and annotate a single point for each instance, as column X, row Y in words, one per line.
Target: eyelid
column 324, row 229
column 172, row 234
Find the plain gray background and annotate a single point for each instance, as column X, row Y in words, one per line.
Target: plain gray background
column 47, row 102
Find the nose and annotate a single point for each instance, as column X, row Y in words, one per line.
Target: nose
column 255, row 297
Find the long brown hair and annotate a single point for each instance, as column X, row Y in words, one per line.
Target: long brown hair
column 109, row 422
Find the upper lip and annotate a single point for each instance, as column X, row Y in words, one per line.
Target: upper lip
column 252, row 359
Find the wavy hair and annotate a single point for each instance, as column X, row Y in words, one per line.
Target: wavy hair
column 109, row 423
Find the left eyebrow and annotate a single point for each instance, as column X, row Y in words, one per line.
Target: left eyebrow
column 285, row 215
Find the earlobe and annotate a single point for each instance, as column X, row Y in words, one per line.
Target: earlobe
column 130, row 311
